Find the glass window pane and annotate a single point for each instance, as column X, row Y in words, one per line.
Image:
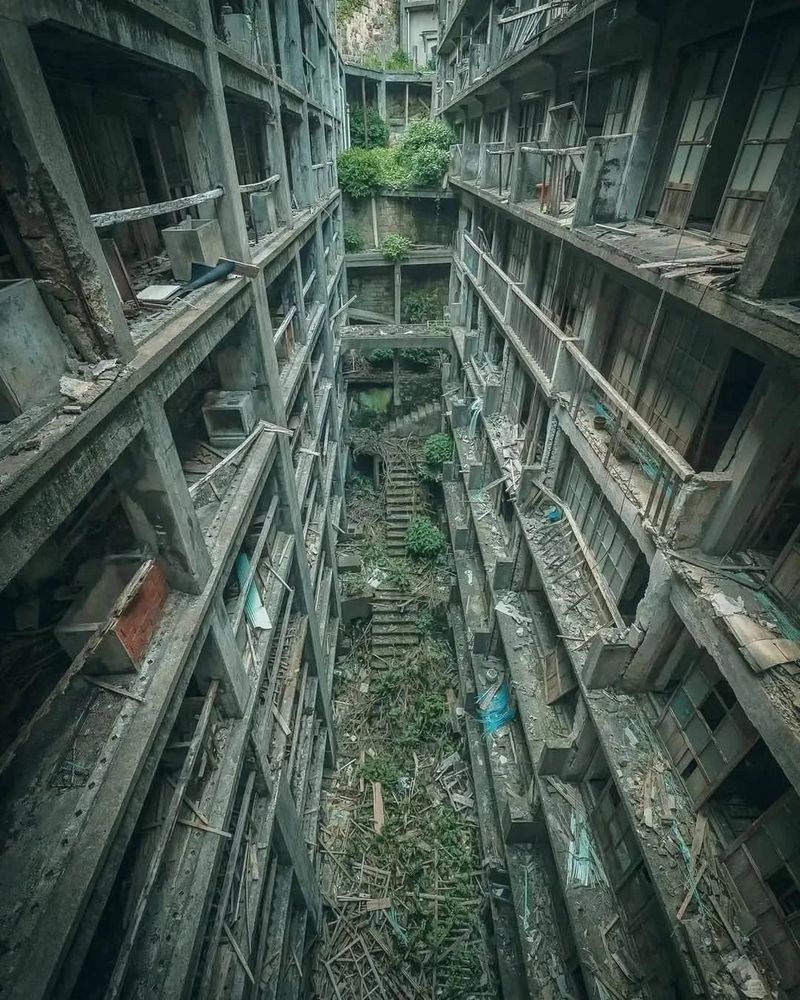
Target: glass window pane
column 707, row 118
column 681, row 155
column 746, row 167
column 766, row 106
column 693, row 164
column 787, row 114
column 767, row 167
column 690, row 123
column 786, row 60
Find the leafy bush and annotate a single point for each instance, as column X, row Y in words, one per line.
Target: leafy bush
column 428, row 166
column 396, row 247
column 359, row 172
column 353, row 240
column 419, row 307
column 423, row 538
column 423, row 133
column 438, row 448
column 399, row 61
column 380, row 356
column 377, row 128
column 419, row 357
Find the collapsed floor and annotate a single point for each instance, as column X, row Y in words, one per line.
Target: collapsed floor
column 402, row 872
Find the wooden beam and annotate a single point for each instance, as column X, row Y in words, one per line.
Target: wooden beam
column 101, row 219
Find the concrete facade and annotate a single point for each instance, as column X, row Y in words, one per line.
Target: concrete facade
column 160, row 821
column 623, row 502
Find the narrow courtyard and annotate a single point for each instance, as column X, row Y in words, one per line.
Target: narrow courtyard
column 402, row 870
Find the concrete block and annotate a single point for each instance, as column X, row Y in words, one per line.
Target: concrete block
column 448, row 472
column 197, row 240
column 262, row 212
column 480, row 642
column 346, row 561
column 229, row 416
column 123, row 646
column 491, row 399
column 516, row 821
column 554, row 759
column 240, row 33
column 461, row 539
column 503, row 571
column 33, row 353
column 605, row 663
column 475, row 477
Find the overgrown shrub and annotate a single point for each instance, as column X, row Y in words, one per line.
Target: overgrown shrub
column 437, row 450
column 353, row 240
column 420, row 307
column 424, row 133
column 359, row 172
column 428, row 166
column 380, row 356
column 396, row 247
column 419, row 357
column 399, row 61
column 377, row 129
column 423, row 538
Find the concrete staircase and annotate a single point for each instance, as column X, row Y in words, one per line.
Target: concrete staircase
column 403, row 501
column 394, row 626
column 426, row 419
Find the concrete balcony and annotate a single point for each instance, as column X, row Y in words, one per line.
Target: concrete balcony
column 671, row 498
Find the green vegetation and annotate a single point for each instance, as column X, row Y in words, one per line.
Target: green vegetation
column 421, row 307
column 353, row 240
column 399, row 62
column 396, row 247
column 423, row 539
column 345, row 9
column 419, row 159
column 377, row 129
column 438, row 449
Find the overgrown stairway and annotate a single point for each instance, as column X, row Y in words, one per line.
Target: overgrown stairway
column 425, row 418
column 394, row 624
column 403, row 501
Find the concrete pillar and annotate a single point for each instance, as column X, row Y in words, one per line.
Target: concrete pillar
column 153, row 490
column 398, row 289
column 396, row 376
column 287, row 23
column 45, row 197
column 221, row 660
column 382, row 98
column 210, row 149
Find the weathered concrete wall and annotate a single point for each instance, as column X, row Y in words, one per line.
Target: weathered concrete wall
column 374, row 289
column 422, row 220
column 371, row 31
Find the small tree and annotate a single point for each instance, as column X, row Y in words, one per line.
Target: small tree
column 359, row 172
column 423, row 538
column 353, row 240
column 396, row 247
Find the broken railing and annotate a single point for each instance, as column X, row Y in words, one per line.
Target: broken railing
column 520, row 29
column 560, row 171
column 650, row 471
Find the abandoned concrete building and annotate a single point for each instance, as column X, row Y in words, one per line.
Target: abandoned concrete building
column 399, row 499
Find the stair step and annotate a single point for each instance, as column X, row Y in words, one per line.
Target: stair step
column 392, row 629
column 388, row 641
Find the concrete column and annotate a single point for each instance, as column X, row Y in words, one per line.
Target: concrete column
column 220, row 660
column 398, row 289
column 210, row 149
column 396, row 376
column 153, row 490
column 45, row 197
column 287, row 22
column 382, row 98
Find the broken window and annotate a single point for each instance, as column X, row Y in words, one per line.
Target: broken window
column 704, row 729
column 610, row 541
column 772, row 119
column 619, row 103
column 707, row 70
column 531, row 119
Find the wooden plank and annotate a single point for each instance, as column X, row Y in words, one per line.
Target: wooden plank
column 101, row 219
column 377, row 806
column 259, row 185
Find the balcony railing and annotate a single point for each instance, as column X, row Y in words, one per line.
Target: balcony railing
column 585, row 182
column 650, row 472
